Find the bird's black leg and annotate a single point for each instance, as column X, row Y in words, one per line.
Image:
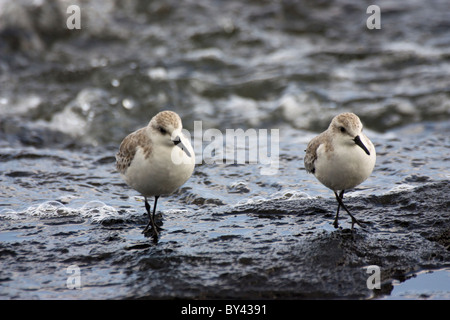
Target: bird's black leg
column 343, row 206
column 154, row 212
column 147, row 207
column 341, row 195
column 151, row 217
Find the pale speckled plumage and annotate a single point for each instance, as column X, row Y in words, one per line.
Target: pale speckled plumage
column 139, row 139
column 157, row 159
column 129, row 146
column 341, row 157
column 355, row 163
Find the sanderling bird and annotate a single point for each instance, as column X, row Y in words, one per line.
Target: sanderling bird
column 156, row 160
column 341, row 157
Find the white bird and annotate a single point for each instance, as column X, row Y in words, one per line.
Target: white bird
column 156, row 160
column 341, row 157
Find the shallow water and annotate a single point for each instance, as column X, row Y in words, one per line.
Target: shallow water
column 423, row 285
column 67, row 98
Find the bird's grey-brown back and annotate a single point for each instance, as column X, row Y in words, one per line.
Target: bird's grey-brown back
column 311, row 152
column 325, row 139
column 129, row 147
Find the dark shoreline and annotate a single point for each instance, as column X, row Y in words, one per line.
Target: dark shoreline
column 406, row 233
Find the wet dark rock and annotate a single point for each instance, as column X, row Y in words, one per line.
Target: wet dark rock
column 275, row 249
column 393, row 239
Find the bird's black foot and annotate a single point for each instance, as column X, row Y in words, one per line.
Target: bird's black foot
column 335, row 224
column 151, row 233
column 152, row 230
column 152, row 227
column 359, row 223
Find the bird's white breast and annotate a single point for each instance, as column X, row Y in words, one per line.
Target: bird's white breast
column 158, row 174
column 346, row 166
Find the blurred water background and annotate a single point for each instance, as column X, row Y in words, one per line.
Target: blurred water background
column 69, row 96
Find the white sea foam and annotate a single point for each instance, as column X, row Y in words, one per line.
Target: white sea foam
column 97, row 211
column 284, row 195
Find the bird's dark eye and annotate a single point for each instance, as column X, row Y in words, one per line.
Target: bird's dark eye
column 162, row 130
column 342, row 129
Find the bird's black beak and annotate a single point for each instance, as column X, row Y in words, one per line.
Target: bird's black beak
column 178, row 143
column 360, row 144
